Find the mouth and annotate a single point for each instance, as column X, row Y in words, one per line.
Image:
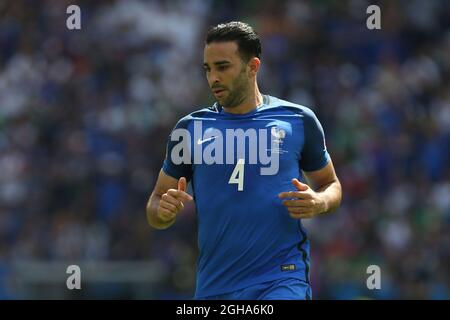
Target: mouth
column 218, row 92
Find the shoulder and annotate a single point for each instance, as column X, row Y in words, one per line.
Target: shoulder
column 199, row 114
column 296, row 108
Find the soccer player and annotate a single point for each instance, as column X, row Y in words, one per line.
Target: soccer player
column 258, row 165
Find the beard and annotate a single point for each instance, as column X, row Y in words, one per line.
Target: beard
column 239, row 93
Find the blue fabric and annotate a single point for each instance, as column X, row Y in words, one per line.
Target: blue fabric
column 284, row 289
column 246, row 236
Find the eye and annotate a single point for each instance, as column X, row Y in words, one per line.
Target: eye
column 222, row 68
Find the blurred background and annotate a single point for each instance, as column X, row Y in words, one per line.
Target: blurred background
column 85, row 115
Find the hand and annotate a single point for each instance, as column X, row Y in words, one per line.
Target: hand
column 172, row 202
column 306, row 204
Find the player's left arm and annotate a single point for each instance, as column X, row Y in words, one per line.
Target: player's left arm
column 321, row 194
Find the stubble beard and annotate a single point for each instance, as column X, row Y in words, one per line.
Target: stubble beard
column 240, row 92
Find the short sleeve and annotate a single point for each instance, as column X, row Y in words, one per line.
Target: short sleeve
column 314, row 155
column 177, row 162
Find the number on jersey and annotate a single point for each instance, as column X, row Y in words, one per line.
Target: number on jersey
column 238, row 175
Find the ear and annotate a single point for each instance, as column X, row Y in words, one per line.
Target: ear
column 253, row 65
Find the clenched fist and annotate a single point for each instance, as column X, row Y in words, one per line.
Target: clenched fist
column 172, row 202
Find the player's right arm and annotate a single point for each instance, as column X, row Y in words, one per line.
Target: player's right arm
column 166, row 201
column 169, row 195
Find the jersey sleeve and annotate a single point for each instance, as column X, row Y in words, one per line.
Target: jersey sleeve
column 314, row 155
column 173, row 168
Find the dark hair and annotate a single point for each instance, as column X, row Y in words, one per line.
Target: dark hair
column 247, row 39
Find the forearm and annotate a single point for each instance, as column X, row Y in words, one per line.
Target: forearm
column 152, row 214
column 331, row 195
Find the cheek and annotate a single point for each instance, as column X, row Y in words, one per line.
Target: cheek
column 241, row 82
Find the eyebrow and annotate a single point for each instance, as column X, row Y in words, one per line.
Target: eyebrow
column 217, row 63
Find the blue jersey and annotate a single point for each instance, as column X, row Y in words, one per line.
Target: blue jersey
column 237, row 165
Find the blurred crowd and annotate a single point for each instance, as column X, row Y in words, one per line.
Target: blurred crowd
column 85, row 115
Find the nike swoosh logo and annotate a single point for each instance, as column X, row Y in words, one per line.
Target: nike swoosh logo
column 199, row 141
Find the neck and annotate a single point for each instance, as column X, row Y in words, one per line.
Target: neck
column 250, row 103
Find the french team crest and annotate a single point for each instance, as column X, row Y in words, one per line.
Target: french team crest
column 278, row 135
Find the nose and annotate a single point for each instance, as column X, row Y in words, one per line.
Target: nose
column 213, row 78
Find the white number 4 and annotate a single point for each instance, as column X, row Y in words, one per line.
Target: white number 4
column 238, row 175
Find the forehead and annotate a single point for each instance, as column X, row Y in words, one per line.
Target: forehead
column 220, row 51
